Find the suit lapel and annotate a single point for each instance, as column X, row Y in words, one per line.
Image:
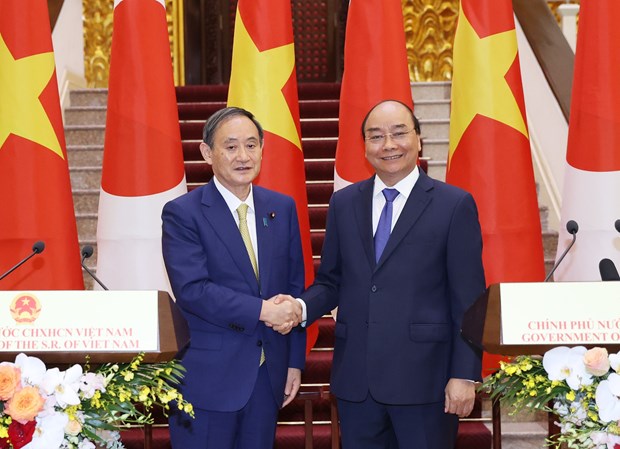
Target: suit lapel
column 363, row 215
column 218, row 215
column 264, row 234
column 417, row 202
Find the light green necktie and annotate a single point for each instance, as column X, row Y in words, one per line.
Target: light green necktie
column 242, row 211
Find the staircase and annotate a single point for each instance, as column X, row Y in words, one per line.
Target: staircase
column 85, row 122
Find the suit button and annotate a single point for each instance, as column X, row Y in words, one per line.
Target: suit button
column 373, row 288
column 259, row 343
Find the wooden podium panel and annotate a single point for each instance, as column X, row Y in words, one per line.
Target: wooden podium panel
column 173, row 334
column 482, row 327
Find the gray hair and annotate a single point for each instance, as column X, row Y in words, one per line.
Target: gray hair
column 214, row 122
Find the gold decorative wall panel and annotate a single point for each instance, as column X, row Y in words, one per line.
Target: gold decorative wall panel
column 429, row 31
column 430, row 26
column 554, row 5
column 97, row 20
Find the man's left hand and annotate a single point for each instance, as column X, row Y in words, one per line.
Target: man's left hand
column 293, row 382
column 460, row 397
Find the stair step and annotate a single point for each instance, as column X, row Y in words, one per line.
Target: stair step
column 431, row 91
column 86, row 201
column 85, row 134
column 192, row 130
column 85, row 155
column 435, row 149
column 89, row 97
column 85, row 178
column 314, row 148
column 85, row 115
column 318, row 367
column 431, row 109
column 201, row 111
column 293, row 437
column 320, row 191
column 87, row 226
column 219, row 92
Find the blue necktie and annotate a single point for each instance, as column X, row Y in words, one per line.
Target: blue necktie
column 384, row 228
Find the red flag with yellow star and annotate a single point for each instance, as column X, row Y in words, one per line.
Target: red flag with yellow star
column 489, row 143
column 263, row 80
column 34, row 174
column 375, row 69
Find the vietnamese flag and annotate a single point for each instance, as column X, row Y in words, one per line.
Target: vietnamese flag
column 591, row 193
column 143, row 158
column 263, row 80
column 34, row 174
column 489, row 143
column 375, row 69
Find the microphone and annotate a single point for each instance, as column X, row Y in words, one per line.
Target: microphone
column 87, row 251
column 572, row 227
column 37, row 248
column 608, row 270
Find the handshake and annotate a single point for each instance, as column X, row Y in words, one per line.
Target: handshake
column 281, row 312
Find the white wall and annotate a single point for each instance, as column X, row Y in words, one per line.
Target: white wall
column 68, row 40
column 548, row 130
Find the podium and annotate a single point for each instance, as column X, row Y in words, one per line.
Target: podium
column 570, row 310
column 172, row 333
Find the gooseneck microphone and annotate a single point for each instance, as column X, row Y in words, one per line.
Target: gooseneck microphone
column 572, row 227
column 608, row 270
column 87, row 251
column 37, row 248
column 607, row 267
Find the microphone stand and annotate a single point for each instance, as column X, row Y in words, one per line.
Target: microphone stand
column 84, row 256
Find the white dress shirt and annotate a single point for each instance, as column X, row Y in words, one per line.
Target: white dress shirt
column 233, row 203
column 404, row 187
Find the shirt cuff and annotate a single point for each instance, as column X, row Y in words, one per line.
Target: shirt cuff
column 304, row 314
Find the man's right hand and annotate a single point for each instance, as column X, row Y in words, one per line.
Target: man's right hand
column 282, row 313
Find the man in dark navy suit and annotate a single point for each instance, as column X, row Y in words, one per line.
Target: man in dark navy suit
column 402, row 261
column 230, row 248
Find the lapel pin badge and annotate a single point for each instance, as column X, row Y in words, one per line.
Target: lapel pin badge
column 265, row 222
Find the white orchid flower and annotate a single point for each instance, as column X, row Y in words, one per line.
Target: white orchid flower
column 63, row 385
column 563, row 363
column 608, row 398
column 614, row 361
column 50, row 431
column 86, row 444
column 91, row 382
column 32, row 369
column 604, row 440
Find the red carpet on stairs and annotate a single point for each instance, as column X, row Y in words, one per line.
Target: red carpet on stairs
column 319, row 127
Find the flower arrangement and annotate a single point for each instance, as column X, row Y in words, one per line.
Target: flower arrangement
column 581, row 387
column 44, row 408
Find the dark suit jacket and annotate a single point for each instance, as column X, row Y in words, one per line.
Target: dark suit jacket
column 398, row 328
column 215, row 287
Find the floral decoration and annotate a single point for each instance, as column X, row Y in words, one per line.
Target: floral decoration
column 44, row 408
column 581, row 387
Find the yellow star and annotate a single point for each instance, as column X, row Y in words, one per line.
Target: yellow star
column 257, row 80
column 21, row 111
column 479, row 86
